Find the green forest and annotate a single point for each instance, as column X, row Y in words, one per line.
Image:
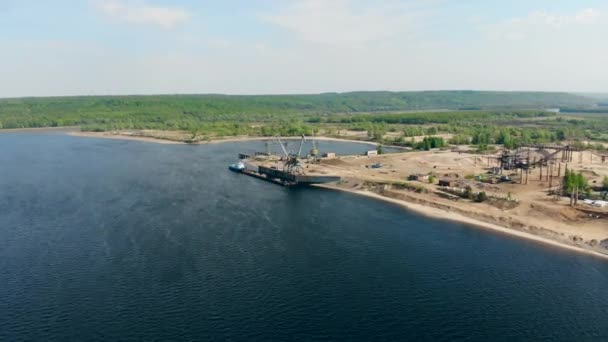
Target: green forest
column 471, row 117
column 187, row 111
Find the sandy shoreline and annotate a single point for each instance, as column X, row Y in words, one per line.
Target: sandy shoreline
column 66, row 129
column 455, row 217
column 105, row 135
column 158, row 140
column 74, row 131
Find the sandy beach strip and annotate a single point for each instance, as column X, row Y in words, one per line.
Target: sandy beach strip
column 123, row 136
column 64, row 129
column 105, row 135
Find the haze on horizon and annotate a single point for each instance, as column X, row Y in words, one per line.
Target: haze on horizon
column 102, row 47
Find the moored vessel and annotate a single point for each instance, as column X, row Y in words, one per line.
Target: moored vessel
column 238, row 167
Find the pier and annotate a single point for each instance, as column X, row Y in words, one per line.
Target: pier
column 267, row 167
column 284, row 178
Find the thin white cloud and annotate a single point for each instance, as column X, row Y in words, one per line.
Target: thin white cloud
column 541, row 22
column 585, row 16
column 346, row 22
column 141, row 13
column 355, row 45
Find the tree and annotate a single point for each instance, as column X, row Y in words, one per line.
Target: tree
column 376, row 131
column 573, row 184
column 460, row 139
column 481, row 138
column 430, row 142
column 380, row 149
column 581, row 185
column 504, row 137
column 568, row 185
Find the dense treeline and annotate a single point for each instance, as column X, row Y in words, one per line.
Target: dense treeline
column 438, row 117
column 292, row 115
column 602, row 109
column 484, row 135
column 189, row 111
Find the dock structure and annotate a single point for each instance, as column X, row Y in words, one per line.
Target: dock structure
column 287, row 169
column 282, row 177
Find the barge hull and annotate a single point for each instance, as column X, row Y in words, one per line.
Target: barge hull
column 285, row 178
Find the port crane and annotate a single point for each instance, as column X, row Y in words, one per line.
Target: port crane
column 314, row 152
column 292, row 160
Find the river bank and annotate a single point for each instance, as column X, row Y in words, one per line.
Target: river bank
column 168, row 137
column 65, row 129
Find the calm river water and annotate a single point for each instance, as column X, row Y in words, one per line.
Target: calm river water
column 118, row 240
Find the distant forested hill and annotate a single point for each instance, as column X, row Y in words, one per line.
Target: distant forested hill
column 596, row 96
column 169, row 111
column 601, row 100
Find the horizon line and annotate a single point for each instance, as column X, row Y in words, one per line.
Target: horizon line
column 578, row 93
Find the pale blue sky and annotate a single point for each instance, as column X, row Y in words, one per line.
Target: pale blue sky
column 65, row 47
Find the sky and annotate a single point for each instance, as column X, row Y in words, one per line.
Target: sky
column 99, row 47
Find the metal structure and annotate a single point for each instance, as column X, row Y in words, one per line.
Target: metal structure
column 546, row 156
column 292, row 160
column 291, row 174
column 314, row 152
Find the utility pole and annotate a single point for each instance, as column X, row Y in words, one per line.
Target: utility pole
column 550, row 178
column 528, row 166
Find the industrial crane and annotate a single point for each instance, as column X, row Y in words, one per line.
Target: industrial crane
column 314, row 152
column 292, row 160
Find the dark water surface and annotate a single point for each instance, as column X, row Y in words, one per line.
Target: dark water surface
column 108, row 240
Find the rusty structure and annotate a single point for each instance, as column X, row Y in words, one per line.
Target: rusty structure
column 547, row 157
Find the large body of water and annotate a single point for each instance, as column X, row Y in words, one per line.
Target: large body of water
column 116, row 240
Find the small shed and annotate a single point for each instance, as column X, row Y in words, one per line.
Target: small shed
column 419, row 177
column 601, row 204
column 329, row 155
column 447, row 182
column 371, row 153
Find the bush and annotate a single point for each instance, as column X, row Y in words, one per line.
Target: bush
column 481, row 197
column 460, row 139
column 430, row 142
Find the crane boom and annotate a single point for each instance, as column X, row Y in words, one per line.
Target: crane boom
column 301, row 144
column 282, row 146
